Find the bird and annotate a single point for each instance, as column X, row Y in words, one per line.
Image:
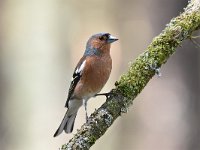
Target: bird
column 89, row 77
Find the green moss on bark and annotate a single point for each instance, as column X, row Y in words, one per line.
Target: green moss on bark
column 158, row 52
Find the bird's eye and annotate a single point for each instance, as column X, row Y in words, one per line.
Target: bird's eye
column 102, row 38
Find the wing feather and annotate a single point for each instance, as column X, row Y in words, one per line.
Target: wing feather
column 76, row 78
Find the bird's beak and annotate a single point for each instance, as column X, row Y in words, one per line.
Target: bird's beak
column 111, row 39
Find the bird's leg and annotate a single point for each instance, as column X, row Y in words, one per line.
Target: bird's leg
column 85, row 105
column 105, row 94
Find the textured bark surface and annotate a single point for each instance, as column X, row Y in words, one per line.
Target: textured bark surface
column 140, row 72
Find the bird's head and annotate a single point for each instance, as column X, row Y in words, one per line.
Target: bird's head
column 99, row 43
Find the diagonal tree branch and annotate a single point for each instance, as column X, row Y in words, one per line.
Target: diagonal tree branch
column 138, row 75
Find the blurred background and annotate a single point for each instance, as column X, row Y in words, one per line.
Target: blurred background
column 42, row 40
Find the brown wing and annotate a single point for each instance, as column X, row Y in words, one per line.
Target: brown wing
column 76, row 78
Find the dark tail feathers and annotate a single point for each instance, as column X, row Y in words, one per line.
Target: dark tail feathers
column 67, row 124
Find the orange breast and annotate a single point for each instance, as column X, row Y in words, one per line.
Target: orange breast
column 95, row 75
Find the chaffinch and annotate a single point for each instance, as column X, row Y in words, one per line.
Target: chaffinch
column 90, row 75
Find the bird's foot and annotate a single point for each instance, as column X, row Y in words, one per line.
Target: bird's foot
column 87, row 118
column 104, row 94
